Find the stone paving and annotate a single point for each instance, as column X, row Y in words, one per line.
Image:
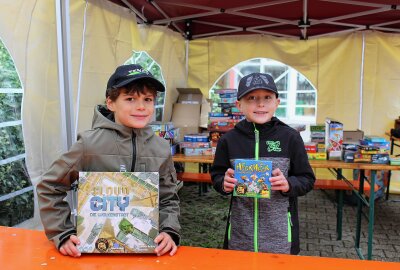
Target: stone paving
column 318, row 228
column 203, row 224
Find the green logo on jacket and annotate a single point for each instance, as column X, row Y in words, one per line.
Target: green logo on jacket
column 274, row 146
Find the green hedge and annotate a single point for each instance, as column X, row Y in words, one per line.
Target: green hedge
column 13, row 177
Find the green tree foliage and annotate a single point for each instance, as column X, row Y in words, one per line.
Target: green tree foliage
column 13, row 177
column 13, row 174
column 11, row 141
column 8, row 75
column 10, row 106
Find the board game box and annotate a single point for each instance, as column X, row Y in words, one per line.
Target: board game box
column 117, row 212
column 253, row 178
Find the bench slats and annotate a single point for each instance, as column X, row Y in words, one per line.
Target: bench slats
column 326, row 184
column 194, row 177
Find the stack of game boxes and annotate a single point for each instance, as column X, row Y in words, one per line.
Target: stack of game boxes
column 373, row 149
column 316, row 147
column 223, row 122
column 167, row 131
column 351, row 143
column 196, row 144
column 224, row 116
column 333, row 139
column 227, row 100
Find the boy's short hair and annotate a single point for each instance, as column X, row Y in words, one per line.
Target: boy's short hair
column 133, row 78
column 139, row 87
column 256, row 81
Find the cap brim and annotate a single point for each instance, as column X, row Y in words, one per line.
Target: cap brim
column 159, row 86
column 255, row 88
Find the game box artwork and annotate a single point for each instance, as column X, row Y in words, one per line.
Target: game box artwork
column 117, row 212
column 253, row 178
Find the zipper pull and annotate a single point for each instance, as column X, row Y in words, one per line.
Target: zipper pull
column 257, row 137
column 122, row 168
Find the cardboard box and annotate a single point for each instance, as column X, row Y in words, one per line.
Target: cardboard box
column 187, row 130
column 186, row 112
column 352, row 136
column 186, row 115
column 190, row 96
column 205, row 110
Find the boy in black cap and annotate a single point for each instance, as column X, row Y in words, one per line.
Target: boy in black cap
column 263, row 225
column 120, row 138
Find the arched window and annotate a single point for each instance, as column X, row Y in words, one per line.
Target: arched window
column 142, row 58
column 298, row 96
column 16, row 191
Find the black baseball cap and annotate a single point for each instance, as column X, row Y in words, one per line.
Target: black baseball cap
column 256, row 81
column 126, row 74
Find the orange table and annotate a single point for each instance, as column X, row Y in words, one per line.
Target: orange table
column 27, row 249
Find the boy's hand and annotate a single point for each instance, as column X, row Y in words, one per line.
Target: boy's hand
column 278, row 181
column 165, row 244
column 229, row 182
column 69, row 247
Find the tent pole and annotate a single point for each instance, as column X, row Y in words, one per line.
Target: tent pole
column 64, row 72
column 361, row 82
column 187, row 60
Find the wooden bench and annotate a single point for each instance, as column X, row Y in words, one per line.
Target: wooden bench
column 325, row 184
column 194, row 177
column 332, row 184
column 320, row 184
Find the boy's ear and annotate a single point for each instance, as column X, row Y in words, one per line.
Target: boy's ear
column 110, row 104
column 238, row 105
column 278, row 101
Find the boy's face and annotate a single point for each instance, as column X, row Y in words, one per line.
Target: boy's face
column 133, row 110
column 258, row 106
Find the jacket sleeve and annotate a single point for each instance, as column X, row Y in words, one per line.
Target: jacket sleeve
column 220, row 165
column 169, row 201
column 301, row 176
column 55, row 212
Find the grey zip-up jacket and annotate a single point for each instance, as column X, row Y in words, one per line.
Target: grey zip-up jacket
column 107, row 147
column 266, row 225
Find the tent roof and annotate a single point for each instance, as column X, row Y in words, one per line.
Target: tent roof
column 286, row 18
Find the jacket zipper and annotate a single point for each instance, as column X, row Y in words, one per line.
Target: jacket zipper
column 256, row 156
column 133, row 151
column 289, row 225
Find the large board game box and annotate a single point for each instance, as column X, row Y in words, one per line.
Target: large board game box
column 117, row 212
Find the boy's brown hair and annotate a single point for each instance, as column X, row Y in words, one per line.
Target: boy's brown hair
column 136, row 87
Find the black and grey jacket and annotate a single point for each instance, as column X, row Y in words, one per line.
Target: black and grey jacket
column 265, row 225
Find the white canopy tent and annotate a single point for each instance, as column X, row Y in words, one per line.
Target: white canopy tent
column 65, row 51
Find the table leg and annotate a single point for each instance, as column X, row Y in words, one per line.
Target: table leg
column 388, row 185
column 339, row 215
column 371, row 215
column 359, row 215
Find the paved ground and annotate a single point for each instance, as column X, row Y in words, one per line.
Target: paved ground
column 318, row 225
column 203, row 222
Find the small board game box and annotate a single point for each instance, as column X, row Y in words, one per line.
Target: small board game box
column 118, row 212
column 253, row 178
